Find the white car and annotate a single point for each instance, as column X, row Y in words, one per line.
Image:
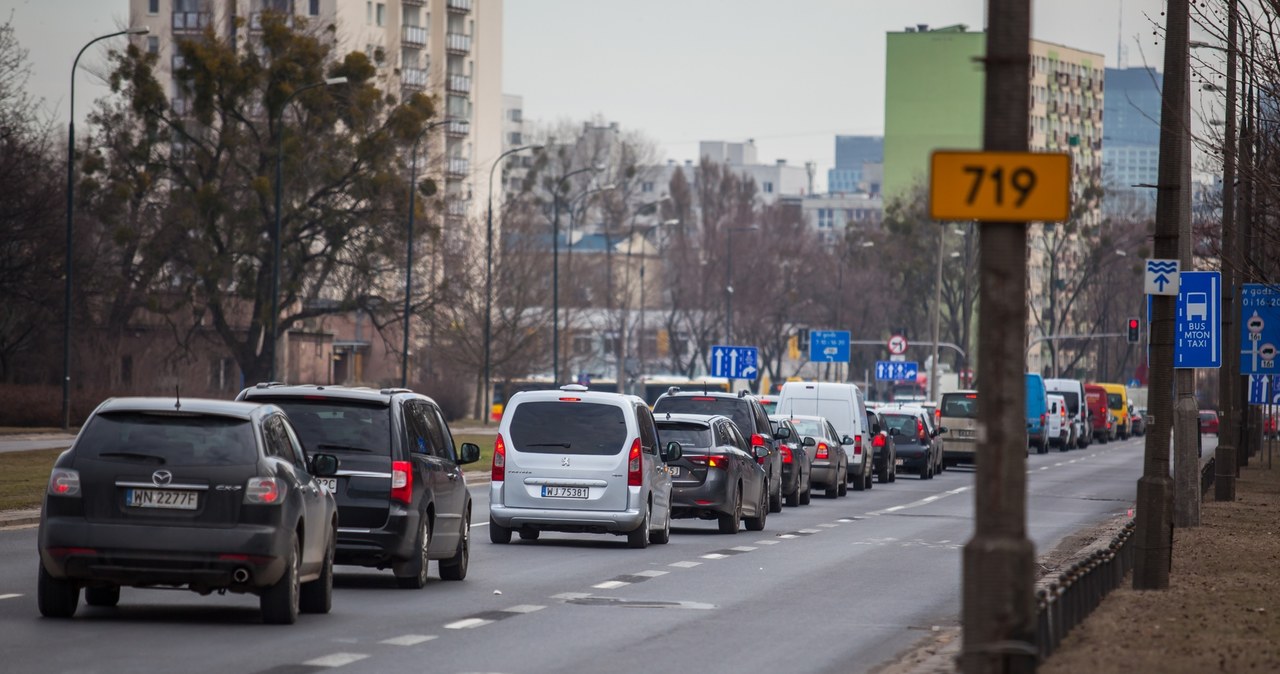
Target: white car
column 1081, row 429
column 1058, row 424
column 582, row 462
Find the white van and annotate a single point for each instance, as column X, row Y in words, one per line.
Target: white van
column 1057, row 428
column 845, row 407
column 1077, row 410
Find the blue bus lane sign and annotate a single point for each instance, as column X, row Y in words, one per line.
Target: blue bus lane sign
column 1198, row 320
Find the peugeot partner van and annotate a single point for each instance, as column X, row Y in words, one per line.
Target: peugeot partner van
column 845, row 407
column 1072, row 390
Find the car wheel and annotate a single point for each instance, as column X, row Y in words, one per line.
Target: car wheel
column 868, row 478
column 859, row 483
column 762, row 511
column 105, row 597
column 774, row 497
column 639, row 537
column 57, row 598
column 498, row 533
column 455, row 568
column 317, row 596
column 729, row 524
column 844, row 483
column 663, row 535
column 806, row 496
column 279, row 603
column 411, row 574
column 527, row 534
column 793, row 497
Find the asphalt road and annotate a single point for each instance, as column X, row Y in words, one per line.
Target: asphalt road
column 837, row 586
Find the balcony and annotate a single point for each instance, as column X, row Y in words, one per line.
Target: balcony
column 413, row 78
column 457, row 43
column 456, row 207
column 255, row 19
column 459, row 6
column 457, row 167
column 459, row 84
column 190, row 21
column 458, row 129
column 414, row 36
column 414, row 3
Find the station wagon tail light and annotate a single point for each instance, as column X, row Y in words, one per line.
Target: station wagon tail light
column 264, row 491
column 402, row 482
column 64, row 482
column 822, row 453
column 786, row 453
column 634, row 478
column 499, row 472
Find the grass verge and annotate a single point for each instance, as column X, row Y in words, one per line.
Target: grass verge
column 485, row 440
column 24, row 476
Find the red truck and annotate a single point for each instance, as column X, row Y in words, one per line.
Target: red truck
column 1099, row 416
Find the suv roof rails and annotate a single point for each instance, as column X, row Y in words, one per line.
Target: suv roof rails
column 268, row 384
column 393, row 390
column 576, row 388
column 673, row 390
column 742, row 393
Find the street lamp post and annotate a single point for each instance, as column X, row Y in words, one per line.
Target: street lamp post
column 555, row 269
column 408, row 265
column 640, row 329
column 488, row 280
column 275, row 256
column 728, row 281
column 71, row 164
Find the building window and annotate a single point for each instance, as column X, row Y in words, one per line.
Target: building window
column 767, row 187
column 368, row 12
column 515, row 138
column 581, row 345
column 382, row 14
column 517, row 115
column 646, row 186
column 826, row 218
column 313, row 7
column 153, row 6
column 153, row 44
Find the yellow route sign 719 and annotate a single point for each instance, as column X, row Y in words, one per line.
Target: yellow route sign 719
column 1000, row 186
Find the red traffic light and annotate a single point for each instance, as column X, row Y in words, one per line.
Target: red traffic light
column 1133, row 324
column 1134, row 331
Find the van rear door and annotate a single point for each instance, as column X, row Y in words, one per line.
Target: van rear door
column 567, row 455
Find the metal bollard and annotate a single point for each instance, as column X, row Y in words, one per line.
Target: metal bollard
column 1042, row 625
column 1055, row 614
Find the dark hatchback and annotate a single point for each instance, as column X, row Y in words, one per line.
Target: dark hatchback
column 402, row 499
column 885, row 446
column 915, row 446
column 797, row 461
column 717, row 476
column 746, row 411
column 204, row 494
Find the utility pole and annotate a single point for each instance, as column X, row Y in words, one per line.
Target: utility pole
column 937, row 317
column 1224, row 457
column 1251, row 239
column 998, row 604
column 1154, row 520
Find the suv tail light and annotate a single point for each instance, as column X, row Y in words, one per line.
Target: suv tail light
column 64, row 482
column 878, row 441
column 786, row 453
column 264, row 491
column 822, row 452
column 757, row 440
column 634, row 477
column 402, row 482
column 499, row 472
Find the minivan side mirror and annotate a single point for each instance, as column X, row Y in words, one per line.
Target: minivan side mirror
column 470, row 453
column 846, row 440
column 672, row 452
column 761, row 451
column 324, row 465
column 809, row 441
column 782, row 433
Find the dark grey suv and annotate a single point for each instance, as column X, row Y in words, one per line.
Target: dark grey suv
column 209, row 495
column 746, row 411
column 402, row 498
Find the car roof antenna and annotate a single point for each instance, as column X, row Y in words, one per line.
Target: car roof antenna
column 177, row 397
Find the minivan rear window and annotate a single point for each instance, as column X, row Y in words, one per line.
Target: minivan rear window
column 169, row 439
column 960, row 405
column 737, row 409
column 331, row 425
column 553, row 427
column 688, row 435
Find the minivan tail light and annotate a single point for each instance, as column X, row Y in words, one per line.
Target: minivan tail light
column 264, row 491
column 402, row 482
column 64, row 482
column 822, row 451
column 499, row 472
column 634, row 478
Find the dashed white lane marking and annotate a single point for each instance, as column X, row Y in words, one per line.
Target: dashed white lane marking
column 924, row 501
column 787, row 536
column 828, row 525
column 651, row 573
column 479, row 524
column 766, row 542
column 685, row 565
column 894, row 509
column 1045, row 467
column 408, row 640
column 844, row 520
column 743, row 548
column 569, row 596
column 524, row 608
column 809, row 531
column 1060, row 463
column 610, row 585
column 714, row 555
column 336, row 659
column 467, row 624
column 9, row 596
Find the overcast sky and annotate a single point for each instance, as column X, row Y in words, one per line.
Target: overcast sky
column 789, row 73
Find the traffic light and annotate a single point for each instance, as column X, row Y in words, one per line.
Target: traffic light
column 1133, row 331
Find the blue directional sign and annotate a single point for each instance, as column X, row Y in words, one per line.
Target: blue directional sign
column 1260, row 328
column 1198, row 322
column 735, row 362
column 829, row 346
column 1259, row 385
column 896, row 370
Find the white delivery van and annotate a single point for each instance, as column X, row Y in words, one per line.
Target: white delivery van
column 1057, row 427
column 845, row 407
column 1072, row 390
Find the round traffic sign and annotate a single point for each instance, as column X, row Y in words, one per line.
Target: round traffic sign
column 897, row 345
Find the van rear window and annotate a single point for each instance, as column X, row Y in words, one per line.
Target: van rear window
column 960, row 405
column 1115, row 401
column 553, row 427
column 169, row 439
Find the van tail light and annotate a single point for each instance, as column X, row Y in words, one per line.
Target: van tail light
column 499, row 472
column 402, row 482
column 634, row 477
column 857, row 444
column 64, row 482
column 1042, row 419
column 264, row 491
column 757, row 440
column 786, row 454
column 823, row 452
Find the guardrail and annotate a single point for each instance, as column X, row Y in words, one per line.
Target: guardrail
column 1080, row 589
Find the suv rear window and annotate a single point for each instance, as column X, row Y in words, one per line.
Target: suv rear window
column 737, row 409
column 960, row 405
column 688, row 435
column 173, row 439
column 337, row 425
column 552, row 427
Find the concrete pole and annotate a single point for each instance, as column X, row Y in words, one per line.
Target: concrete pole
column 997, row 600
column 1154, row 534
column 1224, row 457
column 937, row 317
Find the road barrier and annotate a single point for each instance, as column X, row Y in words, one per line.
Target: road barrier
column 1080, row 589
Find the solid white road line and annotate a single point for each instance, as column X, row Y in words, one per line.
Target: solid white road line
column 408, row 640
column 336, row 659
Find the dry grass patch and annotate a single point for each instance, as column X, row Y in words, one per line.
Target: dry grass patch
column 24, row 476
